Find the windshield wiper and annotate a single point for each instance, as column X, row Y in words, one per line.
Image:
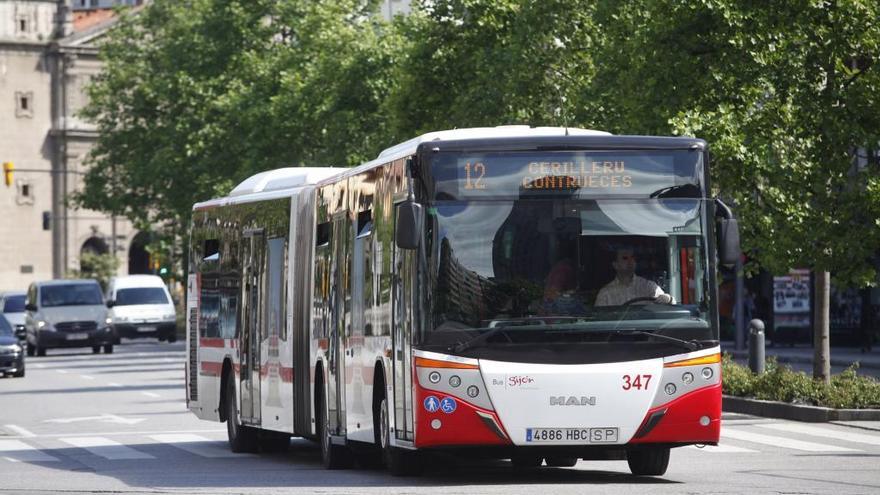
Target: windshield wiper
column 691, row 345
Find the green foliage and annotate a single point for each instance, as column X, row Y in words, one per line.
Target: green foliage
column 100, row 267
column 847, row 390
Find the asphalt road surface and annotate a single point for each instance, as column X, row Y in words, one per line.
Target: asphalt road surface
column 82, row 423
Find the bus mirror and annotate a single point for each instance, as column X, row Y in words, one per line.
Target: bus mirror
column 729, row 250
column 409, row 224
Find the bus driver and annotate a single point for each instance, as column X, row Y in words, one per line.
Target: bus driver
column 627, row 285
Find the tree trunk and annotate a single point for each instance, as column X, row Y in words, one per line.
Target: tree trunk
column 822, row 328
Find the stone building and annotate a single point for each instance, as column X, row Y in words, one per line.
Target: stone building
column 48, row 54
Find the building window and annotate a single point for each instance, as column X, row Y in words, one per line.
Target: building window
column 24, row 103
column 22, row 24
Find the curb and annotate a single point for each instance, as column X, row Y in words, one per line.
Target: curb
column 804, row 359
column 783, row 410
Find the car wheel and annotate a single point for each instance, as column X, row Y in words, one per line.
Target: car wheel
column 19, row 373
column 108, row 349
column 172, row 338
column 41, row 351
column 96, row 349
column 29, row 349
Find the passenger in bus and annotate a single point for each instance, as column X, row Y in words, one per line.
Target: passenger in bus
column 559, row 290
column 627, row 286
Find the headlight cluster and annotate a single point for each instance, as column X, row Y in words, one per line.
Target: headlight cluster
column 44, row 325
column 10, row 349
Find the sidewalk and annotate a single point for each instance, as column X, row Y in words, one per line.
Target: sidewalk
column 803, row 354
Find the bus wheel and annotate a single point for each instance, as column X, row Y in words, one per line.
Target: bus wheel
column 241, row 438
column 398, row 461
column 561, row 461
column 648, row 462
column 521, row 462
column 333, row 456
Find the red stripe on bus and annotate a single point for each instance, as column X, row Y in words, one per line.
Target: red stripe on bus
column 210, row 368
column 212, row 342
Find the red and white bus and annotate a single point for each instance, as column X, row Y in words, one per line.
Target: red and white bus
column 538, row 294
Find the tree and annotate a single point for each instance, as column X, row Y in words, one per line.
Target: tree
column 788, row 97
column 489, row 62
column 100, row 267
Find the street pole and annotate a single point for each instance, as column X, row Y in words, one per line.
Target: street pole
column 822, row 328
column 738, row 315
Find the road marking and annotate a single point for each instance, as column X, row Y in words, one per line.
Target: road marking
column 106, row 448
column 39, row 365
column 114, row 384
column 63, row 372
column 786, row 443
column 87, row 377
column 823, row 432
column 18, row 451
column 21, row 431
column 106, row 418
column 722, row 449
column 197, row 445
column 151, row 394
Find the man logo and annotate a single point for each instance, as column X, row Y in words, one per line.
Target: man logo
column 572, row 401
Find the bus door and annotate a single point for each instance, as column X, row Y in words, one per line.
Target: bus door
column 249, row 338
column 358, row 397
column 340, row 323
column 403, row 297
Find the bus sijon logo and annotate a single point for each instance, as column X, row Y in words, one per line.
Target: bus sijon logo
column 518, row 381
column 572, row 401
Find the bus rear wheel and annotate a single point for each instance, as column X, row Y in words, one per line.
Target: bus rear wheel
column 241, row 437
column 648, row 462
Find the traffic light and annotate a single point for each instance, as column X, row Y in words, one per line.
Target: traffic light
column 8, row 168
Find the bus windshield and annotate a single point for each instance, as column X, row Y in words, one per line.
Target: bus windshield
column 568, row 270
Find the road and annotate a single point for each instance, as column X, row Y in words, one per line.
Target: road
column 82, row 423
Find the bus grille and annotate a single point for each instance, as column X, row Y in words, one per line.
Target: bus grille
column 193, row 354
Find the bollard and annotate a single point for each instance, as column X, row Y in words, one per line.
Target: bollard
column 756, row 346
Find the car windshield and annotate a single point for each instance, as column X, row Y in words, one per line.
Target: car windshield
column 13, row 304
column 5, row 327
column 567, row 270
column 70, row 295
column 141, row 295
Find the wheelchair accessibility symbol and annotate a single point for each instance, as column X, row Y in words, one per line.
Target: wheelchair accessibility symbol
column 448, row 405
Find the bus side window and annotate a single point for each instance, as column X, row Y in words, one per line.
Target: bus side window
column 211, row 251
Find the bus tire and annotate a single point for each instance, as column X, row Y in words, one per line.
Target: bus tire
column 242, row 438
column 561, row 461
column 399, row 462
column 648, row 462
column 332, row 456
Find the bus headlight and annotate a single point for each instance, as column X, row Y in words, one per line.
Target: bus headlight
column 670, row 389
column 707, row 373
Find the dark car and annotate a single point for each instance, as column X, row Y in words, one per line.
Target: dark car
column 12, row 306
column 67, row 313
column 11, row 353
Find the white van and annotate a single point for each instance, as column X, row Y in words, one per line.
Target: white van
column 140, row 306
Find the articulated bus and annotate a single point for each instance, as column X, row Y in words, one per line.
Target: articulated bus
column 536, row 294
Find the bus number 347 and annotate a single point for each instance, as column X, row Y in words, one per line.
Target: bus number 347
column 637, row 382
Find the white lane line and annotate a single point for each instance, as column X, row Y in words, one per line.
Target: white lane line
column 87, row 377
column 38, row 365
column 118, row 433
column 21, row 431
column 783, row 442
column 816, row 431
column 197, row 445
column 114, row 384
column 151, row 394
column 63, row 372
column 18, row 451
column 721, row 449
column 106, row 448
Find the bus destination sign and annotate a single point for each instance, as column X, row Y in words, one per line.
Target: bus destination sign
column 564, row 173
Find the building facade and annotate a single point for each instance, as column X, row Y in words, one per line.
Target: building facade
column 48, row 54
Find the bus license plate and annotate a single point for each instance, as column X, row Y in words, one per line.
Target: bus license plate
column 571, row 435
column 77, row 336
column 146, row 329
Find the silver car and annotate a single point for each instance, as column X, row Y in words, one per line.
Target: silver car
column 12, row 306
column 67, row 313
